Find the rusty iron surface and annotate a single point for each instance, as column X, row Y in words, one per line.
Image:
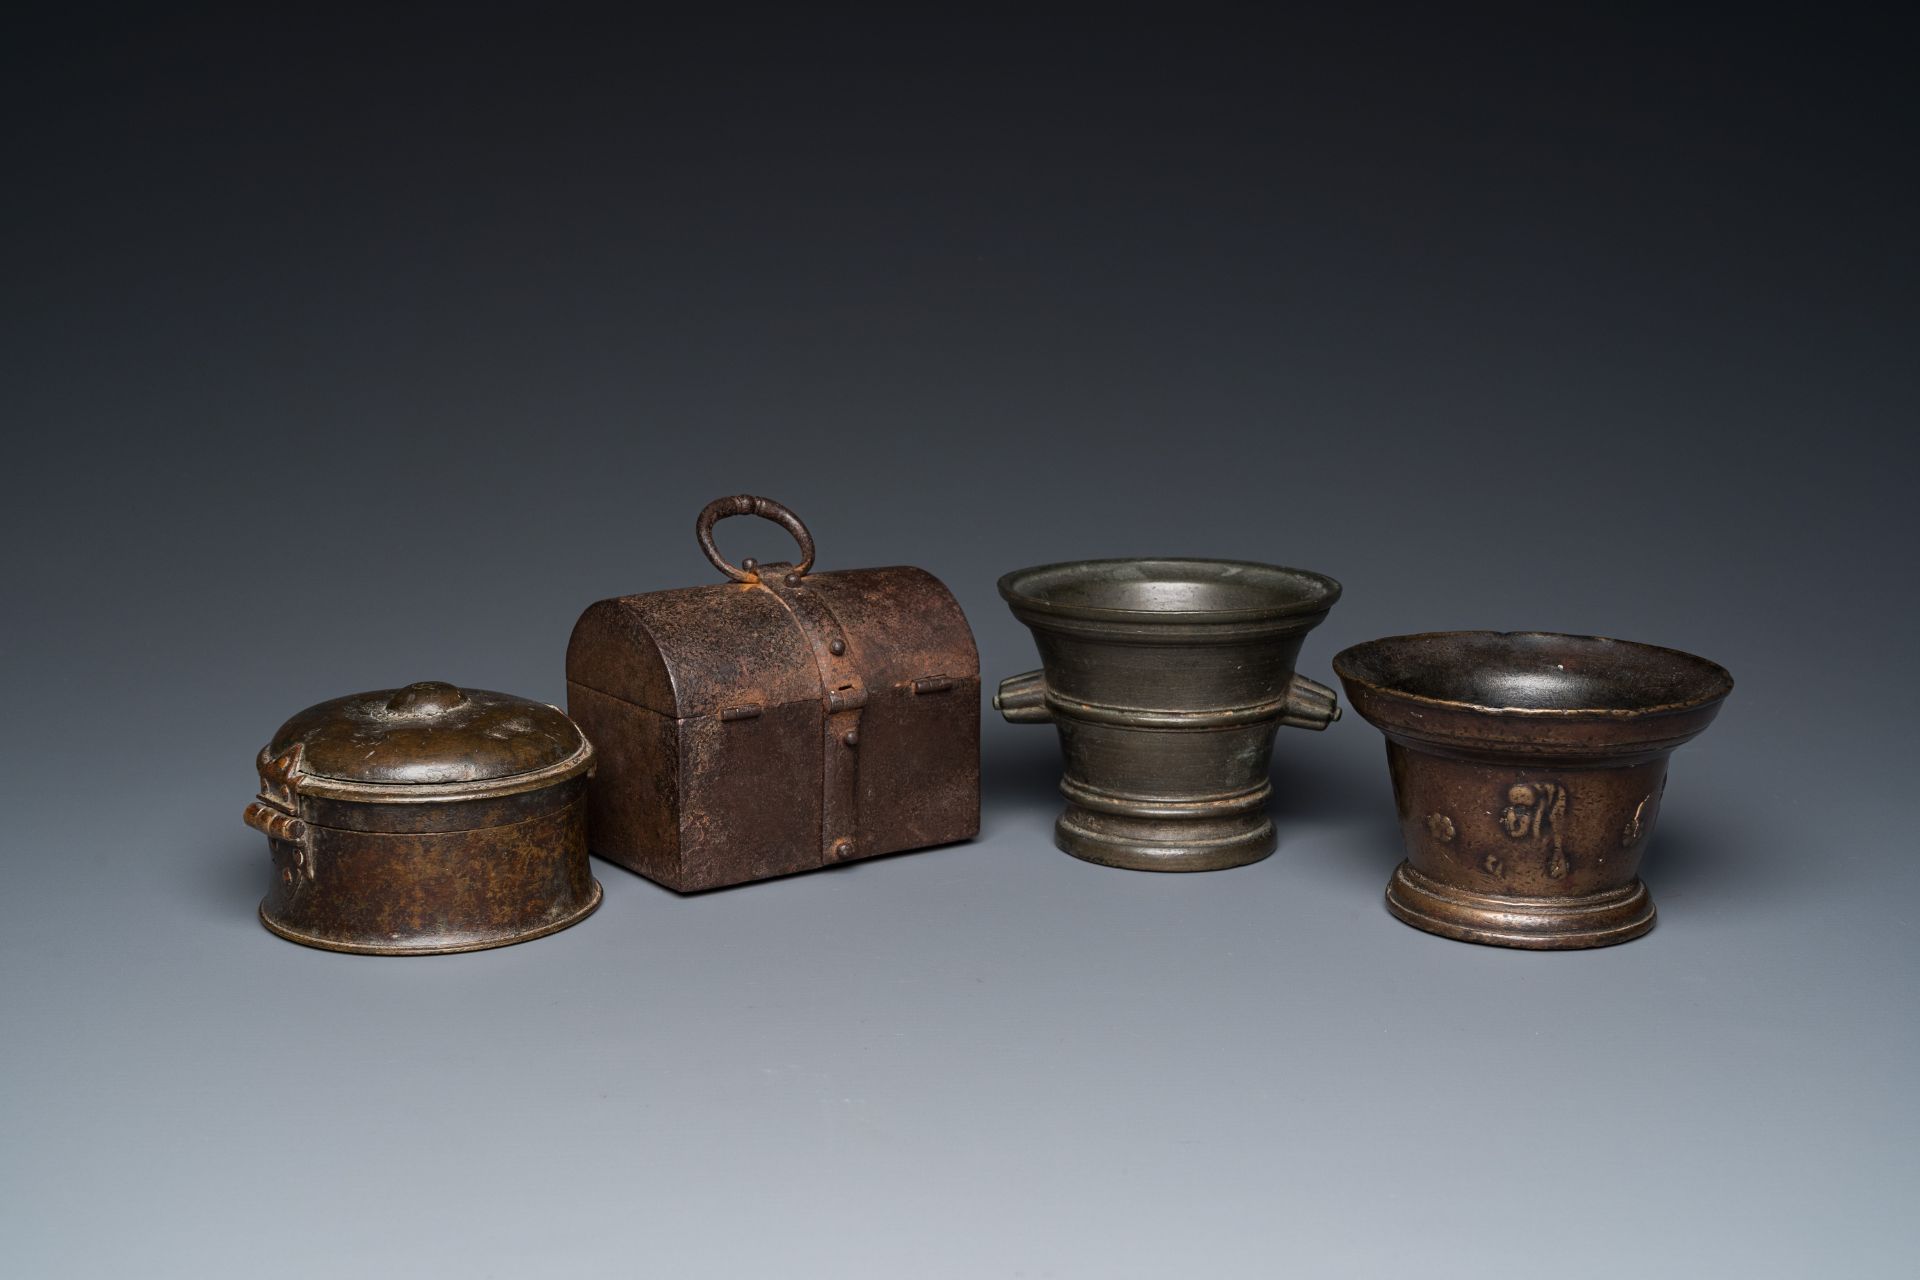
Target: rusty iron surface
column 778, row 722
column 424, row 820
column 1528, row 770
column 1167, row 681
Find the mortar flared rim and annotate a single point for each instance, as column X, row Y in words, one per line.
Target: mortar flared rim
column 1169, row 589
column 1533, row 675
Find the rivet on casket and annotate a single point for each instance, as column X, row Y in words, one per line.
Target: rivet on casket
column 837, row 648
column 851, row 738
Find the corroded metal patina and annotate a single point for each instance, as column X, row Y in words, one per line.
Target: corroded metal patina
column 1167, row 680
column 780, row 721
column 1528, row 770
column 426, row 819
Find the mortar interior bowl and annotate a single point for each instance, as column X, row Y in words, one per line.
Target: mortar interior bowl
column 1526, row 675
column 1172, row 589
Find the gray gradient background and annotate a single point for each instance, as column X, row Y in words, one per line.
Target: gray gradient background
column 343, row 353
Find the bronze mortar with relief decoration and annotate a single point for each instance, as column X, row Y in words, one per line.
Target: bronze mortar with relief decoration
column 1528, row 769
column 1167, row 680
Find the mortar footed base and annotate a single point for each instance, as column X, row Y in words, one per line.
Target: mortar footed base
column 1539, row 924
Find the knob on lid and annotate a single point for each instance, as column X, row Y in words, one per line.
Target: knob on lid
column 426, row 734
column 427, row 698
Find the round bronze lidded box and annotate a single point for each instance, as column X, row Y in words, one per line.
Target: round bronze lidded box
column 424, row 820
column 1528, row 770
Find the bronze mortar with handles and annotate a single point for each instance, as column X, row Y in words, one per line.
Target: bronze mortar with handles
column 1167, row 680
column 1528, row 769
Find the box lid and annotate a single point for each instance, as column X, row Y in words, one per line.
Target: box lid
column 429, row 739
column 772, row 635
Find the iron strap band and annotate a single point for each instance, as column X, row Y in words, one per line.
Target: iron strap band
column 842, row 696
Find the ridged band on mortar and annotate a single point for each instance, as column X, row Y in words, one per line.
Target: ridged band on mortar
column 1126, row 806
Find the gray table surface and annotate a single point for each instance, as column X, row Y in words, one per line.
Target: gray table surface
column 315, row 391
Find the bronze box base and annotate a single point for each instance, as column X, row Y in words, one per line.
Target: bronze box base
column 478, row 940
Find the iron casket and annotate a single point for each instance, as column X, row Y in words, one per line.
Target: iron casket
column 426, row 819
column 781, row 721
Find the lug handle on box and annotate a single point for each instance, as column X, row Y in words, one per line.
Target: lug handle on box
column 746, row 504
column 1310, row 705
column 1022, row 699
column 275, row 823
column 282, row 828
